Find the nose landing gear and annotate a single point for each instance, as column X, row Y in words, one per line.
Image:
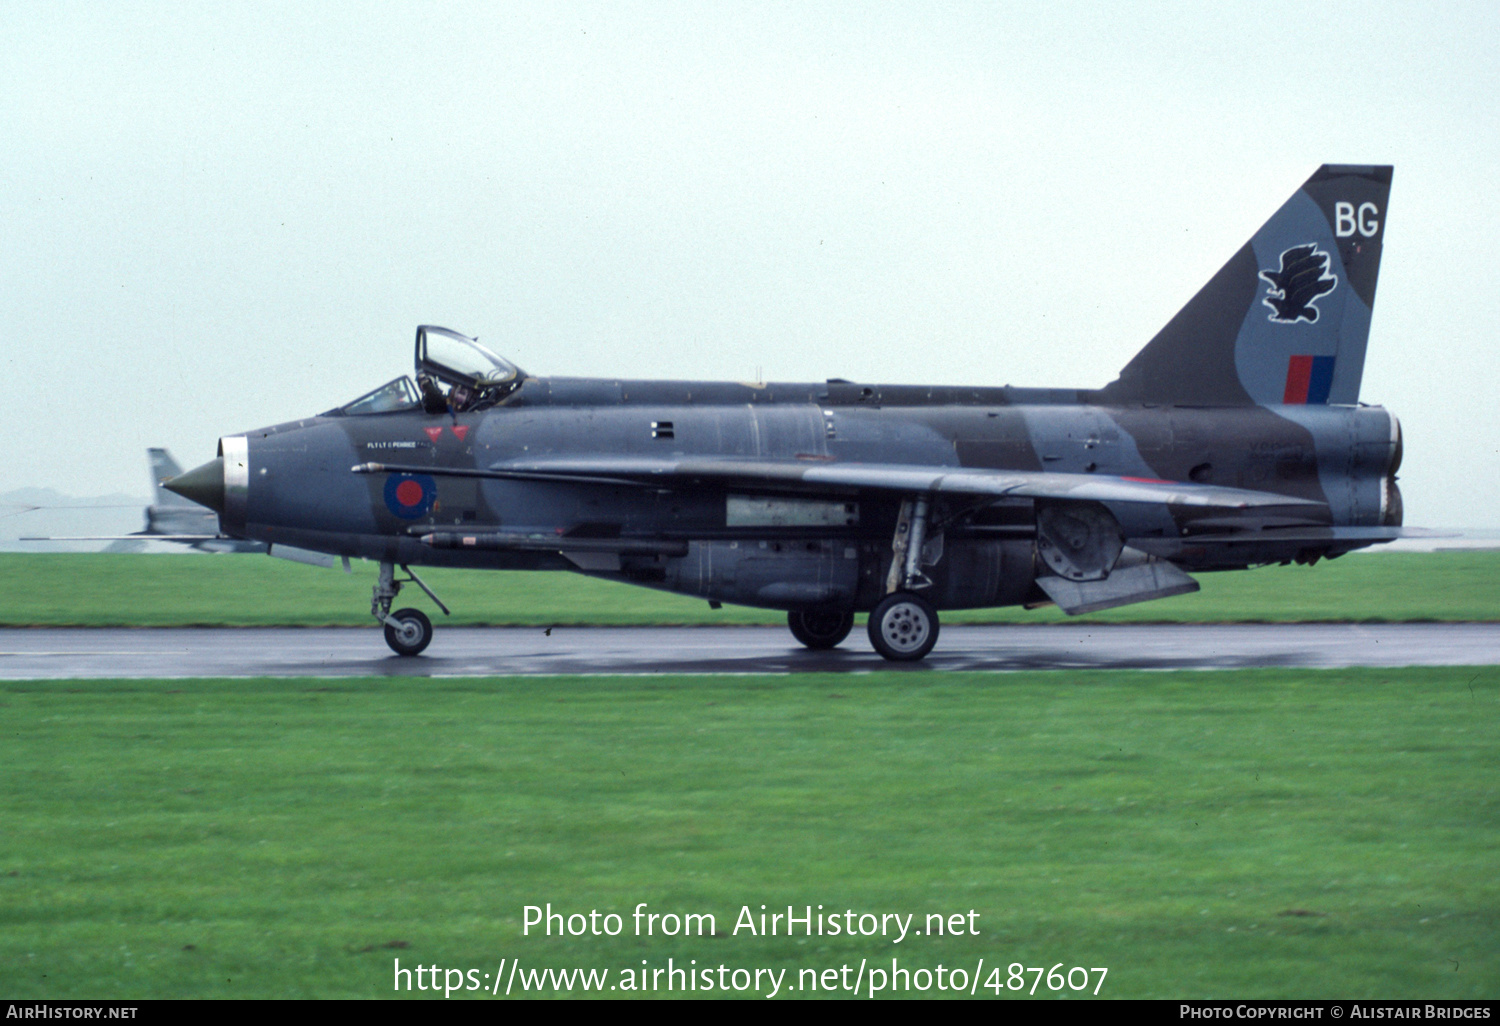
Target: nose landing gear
column 407, row 631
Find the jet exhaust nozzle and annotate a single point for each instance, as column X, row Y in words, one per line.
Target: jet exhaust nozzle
column 203, row 485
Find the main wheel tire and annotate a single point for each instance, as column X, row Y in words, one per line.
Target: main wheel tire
column 413, row 634
column 820, row 628
column 904, row 627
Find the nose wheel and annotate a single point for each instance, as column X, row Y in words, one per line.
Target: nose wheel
column 408, row 631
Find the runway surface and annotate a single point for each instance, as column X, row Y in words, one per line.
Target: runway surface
column 40, row 654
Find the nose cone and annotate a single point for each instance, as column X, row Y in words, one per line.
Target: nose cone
column 204, row 485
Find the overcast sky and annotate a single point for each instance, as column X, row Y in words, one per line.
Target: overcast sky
column 217, row 216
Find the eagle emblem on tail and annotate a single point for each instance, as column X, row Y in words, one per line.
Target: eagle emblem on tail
column 1301, row 279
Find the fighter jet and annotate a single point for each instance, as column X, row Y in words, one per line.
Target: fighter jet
column 1234, row 439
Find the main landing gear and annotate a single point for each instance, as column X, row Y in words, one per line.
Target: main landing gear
column 820, row 628
column 407, row 631
column 904, row 626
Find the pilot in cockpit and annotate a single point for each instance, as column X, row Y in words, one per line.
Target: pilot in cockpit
column 460, row 398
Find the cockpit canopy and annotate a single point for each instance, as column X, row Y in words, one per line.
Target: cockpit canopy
column 456, row 359
column 454, row 372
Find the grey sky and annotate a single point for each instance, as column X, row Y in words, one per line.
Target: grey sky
column 218, row 216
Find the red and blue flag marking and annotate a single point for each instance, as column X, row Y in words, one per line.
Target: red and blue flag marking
column 1309, row 379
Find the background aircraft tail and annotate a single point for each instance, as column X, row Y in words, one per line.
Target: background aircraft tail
column 1286, row 320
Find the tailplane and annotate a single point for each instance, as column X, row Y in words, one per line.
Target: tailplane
column 1286, row 320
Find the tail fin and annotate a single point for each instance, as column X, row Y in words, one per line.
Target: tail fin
column 164, row 467
column 1287, row 319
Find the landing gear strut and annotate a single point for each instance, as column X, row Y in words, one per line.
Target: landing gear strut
column 904, row 626
column 820, row 628
column 407, row 631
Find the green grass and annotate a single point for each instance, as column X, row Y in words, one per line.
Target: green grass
column 1229, row 834
column 128, row 590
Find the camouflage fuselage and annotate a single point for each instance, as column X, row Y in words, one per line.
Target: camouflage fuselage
column 762, row 546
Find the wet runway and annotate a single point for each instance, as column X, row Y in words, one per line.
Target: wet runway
column 37, row 654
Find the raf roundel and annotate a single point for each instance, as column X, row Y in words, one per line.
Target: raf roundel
column 410, row 496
